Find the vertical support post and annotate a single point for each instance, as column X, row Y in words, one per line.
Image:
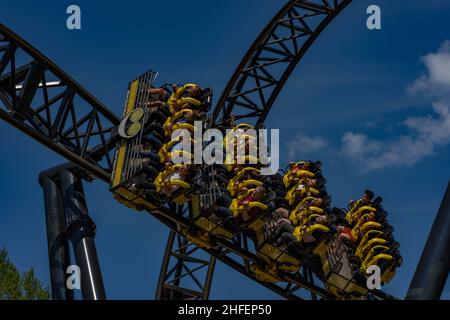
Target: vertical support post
column 58, row 248
column 165, row 266
column 81, row 230
column 434, row 265
column 185, row 264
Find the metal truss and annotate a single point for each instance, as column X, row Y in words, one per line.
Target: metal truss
column 260, row 77
column 185, row 274
column 42, row 101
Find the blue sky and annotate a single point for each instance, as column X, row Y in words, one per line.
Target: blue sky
column 361, row 102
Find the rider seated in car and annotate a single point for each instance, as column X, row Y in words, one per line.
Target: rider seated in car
column 248, row 212
column 180, row 174
column 287, row 233
column 366, row 200
column 302, row 234
column 302, row 190
column 157, row 105
column 237, row 184
column 158, row 97
column 303, row 209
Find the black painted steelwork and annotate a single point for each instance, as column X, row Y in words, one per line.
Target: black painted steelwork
column 58, row 249
column 182, row 271
column 81, row 232
column 267, row 65
column 434, row 265
column 39, row 99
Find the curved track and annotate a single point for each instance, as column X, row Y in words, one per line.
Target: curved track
column 265, row 68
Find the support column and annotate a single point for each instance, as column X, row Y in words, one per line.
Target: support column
column 58, row 248
column 434, row 265
column 81, row 230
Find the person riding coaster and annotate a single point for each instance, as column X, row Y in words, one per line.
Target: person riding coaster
column 304, row 211
column 172, row 180
column 304, row 188
column 292, row 178
column 157, row 107
column 247, row 178
column 366, row 200
column 308, row 230
column 296, row 239
column 264, row 229
column 249, row 205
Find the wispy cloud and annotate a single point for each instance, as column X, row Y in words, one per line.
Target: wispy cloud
column 302, row 146
column 425, row 134
column 436, row 83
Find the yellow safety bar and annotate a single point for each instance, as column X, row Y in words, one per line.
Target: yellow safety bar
column 365, row 239
column 362, row 251
column 302, row 203
column 291, row 195
column 288, row 177
column 352, row 214
column 299, row 233
column 297, row 216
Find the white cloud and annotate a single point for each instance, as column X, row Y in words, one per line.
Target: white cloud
column 424, row 134
column 436, row 82
column 303, row 146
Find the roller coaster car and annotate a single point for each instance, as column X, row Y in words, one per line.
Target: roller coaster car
column 276, row 258
column 388, row 267
column 386, row 256
column 127, row 161
column 204, row 204
column 337, row 270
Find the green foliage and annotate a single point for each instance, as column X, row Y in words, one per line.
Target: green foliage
column 17, row 286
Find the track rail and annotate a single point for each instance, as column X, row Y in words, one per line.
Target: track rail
column 267, row 65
